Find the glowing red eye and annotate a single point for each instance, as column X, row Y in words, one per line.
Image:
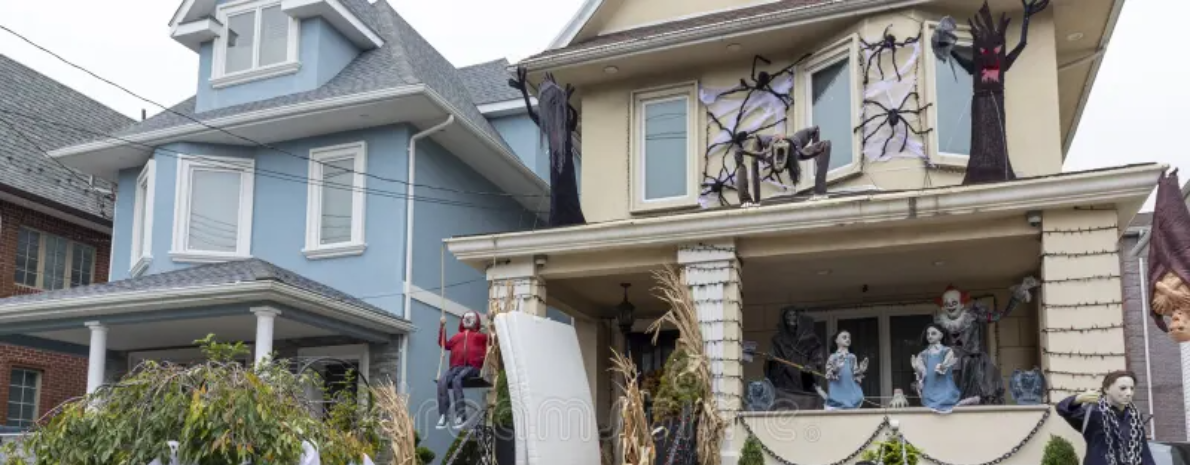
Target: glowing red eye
column 997, row 49
column 983, row 50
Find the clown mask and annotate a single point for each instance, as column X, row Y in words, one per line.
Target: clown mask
column 953, row 302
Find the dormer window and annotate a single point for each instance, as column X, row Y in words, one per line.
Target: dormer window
column 259, row 41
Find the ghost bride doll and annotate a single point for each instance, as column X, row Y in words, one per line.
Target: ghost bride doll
column 935, row 377
column 844, row 372
column 1109, row 422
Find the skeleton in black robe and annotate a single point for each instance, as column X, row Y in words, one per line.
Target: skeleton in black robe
column 797, row 343
column 558, row 122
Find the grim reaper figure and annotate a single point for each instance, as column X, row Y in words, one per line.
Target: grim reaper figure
column 558, row 121
column 797, row 343
column 966, row 323
column 989, row 61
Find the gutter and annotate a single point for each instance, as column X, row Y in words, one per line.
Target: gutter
column 409, row 193
column 720, row 31
column 1144, row 324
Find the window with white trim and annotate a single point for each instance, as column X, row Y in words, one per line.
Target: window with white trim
column 888, row 337
column 950, row 90
column 335, row 207
column 46, row 261
column 142, row 219
column 259, row 41
column 664, row 148
column 24, row 390
column 213, row 209
column 831, row 90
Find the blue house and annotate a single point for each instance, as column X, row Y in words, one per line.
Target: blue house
column 299, row 199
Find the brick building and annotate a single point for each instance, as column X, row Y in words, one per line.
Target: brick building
column 55, row 230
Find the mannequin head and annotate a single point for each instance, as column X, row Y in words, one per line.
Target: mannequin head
column 933, row 335
column 842, row 340
column 1119, row 387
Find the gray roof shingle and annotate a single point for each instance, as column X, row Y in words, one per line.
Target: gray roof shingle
column 23, row 141
column 406, row 58
column 239, row 271
column 488, row 82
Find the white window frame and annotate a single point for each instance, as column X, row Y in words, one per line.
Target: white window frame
column 68, row 270
column 882, row 314
column 956, row 160
column 142, row 219
column 688, row 91
column 844, row 49
column 187, row 164
column 36, row 393
column 318, row 158
column 220, row 78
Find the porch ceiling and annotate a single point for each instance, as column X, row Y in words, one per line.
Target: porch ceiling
column 182, row 333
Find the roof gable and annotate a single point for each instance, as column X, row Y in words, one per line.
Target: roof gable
column 488, row 82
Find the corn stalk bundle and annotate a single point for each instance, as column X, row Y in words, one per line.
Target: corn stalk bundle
column 636, row 441
column 396, row 423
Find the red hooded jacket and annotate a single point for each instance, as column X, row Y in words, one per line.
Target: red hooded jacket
column 468, row 347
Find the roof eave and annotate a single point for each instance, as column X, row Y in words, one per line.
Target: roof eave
column 1117, row 6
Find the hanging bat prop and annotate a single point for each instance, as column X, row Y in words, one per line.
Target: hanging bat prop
column 944, row 41
column 989, row 61
column 558, row 121
column 1169, row 260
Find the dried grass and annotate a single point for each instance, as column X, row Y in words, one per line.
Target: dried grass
column 492, row 363
column 1170, row 294
column 636, row 441
column 672, row 289
column 396, row 424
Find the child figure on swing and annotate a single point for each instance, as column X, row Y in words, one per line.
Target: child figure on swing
column 467, row 349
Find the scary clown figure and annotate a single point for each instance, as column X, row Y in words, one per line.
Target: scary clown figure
column 467, row 349
column 1110, row 423
column 966, row 324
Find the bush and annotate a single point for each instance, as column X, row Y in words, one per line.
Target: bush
column 424, row 455
column 752, row 454
column 467, row 453
column 679, row 388
column 1059, row 451
column 889, row 453
column 502, row 415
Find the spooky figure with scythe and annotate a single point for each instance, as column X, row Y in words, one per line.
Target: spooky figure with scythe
column 989, row 62
column 558, row 121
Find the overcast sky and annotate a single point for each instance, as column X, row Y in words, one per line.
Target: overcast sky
column 1139, row 105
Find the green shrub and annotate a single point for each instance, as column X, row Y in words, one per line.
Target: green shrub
column 467, row 453
column 424, row 454
column 891, row 451
column 752, row 454
column 502, row 415
column 679, row 388
column 1059, row 451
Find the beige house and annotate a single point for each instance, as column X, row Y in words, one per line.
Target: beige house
column 895, row 230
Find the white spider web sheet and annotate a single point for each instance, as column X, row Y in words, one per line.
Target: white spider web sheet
column 892, row 93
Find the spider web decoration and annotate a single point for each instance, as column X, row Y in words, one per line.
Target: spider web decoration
column 892, row 112
column 757, row 106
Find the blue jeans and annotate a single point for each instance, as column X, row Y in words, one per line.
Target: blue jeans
column 452, row 382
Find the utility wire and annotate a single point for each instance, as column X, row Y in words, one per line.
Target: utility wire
column 246, row 139
column 22, row 135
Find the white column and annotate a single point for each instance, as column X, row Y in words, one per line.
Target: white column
column 265, row 317
column 527, row 288
column 97, row 359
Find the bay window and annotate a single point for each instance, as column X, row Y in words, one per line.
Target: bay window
column 142, row 219
column 213, row 209
column 950, row 91
column 335, row 205
column 260, row 41
column 830, row 88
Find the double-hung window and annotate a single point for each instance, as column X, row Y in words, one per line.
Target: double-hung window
column 664, row 158
column 335, row 205
column 24, row 389
column 213, row 209
column 49, row 262
column 888, row 337
column 142, row 219
column 259, row 41
column 830, row 88
column 950, row 89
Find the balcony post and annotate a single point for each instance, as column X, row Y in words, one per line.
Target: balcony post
column 266, row 317
column 97, row 357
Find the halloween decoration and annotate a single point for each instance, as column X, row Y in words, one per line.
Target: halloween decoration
column 468, row 349
column 797, row 343
column 558, row 121
column 989, row 62
column 635, row 439
column 935, row 378
column 1028, row 387
column 895, row 118
column 782, row 155
column 1109, row 422
column 887, row 42
column 760, row 396
column 965, row 322
column 898, row 399
column 844, row 373
column 1169, row 260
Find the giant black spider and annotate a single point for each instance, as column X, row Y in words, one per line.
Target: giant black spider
column 762, row 82
column 893, row 117
column 887, row 42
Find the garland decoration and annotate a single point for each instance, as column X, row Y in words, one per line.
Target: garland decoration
column 1083, row 329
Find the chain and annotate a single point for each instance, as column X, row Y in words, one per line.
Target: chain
column 1033, row 432
column 783, row 461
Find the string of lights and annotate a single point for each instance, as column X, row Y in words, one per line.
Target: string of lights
column 1083, row 329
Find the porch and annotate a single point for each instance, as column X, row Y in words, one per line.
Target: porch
column 159, row 317
column 872, row 265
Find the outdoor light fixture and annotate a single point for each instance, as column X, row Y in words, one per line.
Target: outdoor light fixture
column 1074, row 37
column 611, row 70
column 625, row 315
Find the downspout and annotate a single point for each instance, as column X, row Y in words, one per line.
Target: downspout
column 1144, row 323
column 408, row 304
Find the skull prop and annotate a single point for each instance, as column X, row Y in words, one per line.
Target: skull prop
column 471, row 321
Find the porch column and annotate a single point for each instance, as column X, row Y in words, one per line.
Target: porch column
column 712, row 271
column 528, row 289
column 265, row 318
column 1081, row 314
column 97, row 358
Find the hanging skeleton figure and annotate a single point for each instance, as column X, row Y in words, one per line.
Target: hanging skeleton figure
column 1169, row 260
column 783, row 155
column 989, row 61
column 558, row 121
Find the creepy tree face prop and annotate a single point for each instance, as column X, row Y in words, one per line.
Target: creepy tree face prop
column 1169, row 260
